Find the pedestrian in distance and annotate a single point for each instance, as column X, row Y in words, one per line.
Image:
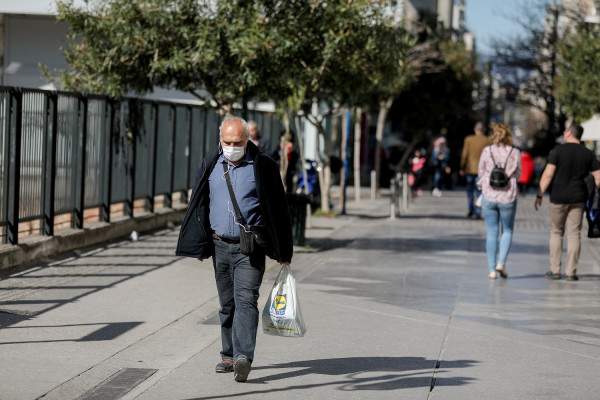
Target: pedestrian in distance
column 260, row 142
column 473, row 145
column 287, row 157
column 211, row 228
column 417, row 167
column 499, row 203
column 567, row 167
column 527, row 168
column 440, row 161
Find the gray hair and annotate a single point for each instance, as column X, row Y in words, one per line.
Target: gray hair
column 231, row 118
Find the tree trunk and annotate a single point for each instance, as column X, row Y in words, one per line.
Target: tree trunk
column 384, row 109
column 403, row 163
column 303, row 162
column 345, row 128
column 357, row 147
column 325, row 173
column 324, row 169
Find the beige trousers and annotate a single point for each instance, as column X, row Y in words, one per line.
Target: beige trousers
column 569, row 217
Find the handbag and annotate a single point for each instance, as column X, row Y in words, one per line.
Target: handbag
column 252, row 237
column 281, row 315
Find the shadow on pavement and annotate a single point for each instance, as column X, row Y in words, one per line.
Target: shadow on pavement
column 371, row 217
column 402, row 245
column 34, row 292
column 380, row 373
column 440, row 217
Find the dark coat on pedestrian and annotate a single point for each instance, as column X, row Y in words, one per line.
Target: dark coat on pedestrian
column 195, row 237
column 592, row 208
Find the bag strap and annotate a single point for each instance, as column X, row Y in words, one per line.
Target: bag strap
column 492, row 154
column 507, row 156
column 505, row 161
column 236, row 208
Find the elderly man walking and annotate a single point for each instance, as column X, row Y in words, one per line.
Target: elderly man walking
column 212, row 229
column 568, row 165
column 473, row 145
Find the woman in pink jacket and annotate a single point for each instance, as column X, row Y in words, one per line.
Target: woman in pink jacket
column 499, row 203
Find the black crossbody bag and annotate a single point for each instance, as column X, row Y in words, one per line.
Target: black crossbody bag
column 251, row 236
column 499, row 179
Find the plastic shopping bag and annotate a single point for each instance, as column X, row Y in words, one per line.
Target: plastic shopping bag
column 281, row 315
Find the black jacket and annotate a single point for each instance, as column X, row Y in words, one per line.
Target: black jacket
column 195, row 236
column 592, row 208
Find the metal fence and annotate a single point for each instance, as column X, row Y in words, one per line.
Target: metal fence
column 63, row 153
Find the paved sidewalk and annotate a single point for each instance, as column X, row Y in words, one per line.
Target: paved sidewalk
column 395, row 309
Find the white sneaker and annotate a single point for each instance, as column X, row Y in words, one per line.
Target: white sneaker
column 493, row 275
column 436, row 192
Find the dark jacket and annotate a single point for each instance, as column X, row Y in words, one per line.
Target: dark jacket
column 195, row 236
column 592, row 208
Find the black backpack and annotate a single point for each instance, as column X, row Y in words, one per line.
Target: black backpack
column 498, row 177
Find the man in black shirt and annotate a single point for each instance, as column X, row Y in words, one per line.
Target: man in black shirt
column 568, row 165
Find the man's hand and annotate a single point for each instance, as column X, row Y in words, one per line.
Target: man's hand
column 538, row 203
column 284, row 262
column 545, row 181
column 200, row 259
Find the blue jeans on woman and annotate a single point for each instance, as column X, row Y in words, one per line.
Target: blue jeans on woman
column 494, row 213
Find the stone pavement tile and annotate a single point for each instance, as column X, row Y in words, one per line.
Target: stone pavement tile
column 376, row 353
column 92, row 309
column 385, row 303
column 516, row 365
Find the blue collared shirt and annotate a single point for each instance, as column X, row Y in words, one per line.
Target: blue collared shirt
column 222, row 213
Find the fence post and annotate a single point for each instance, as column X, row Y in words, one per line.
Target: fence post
column 48, row 181
column 80, row 194
column 405, row 191
column 14, row 168
column 393, row 195
column 153, row 161
column 373, row 185
column 188, row 151
column 169, row 198
column 132, row 125
column 5, row 162
column 107, row 197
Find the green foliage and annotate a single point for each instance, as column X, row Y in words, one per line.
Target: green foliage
column 579, row 83
column 196, row 46
column 334, row 51
column 292, row 51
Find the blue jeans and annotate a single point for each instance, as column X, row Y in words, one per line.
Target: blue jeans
column 238, row 280
column 494, row 213
column 472, row 193
column 438, row 179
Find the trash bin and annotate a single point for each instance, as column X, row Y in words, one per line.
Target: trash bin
column 297, row 206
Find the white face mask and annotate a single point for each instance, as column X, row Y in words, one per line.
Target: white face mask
column 232, row 153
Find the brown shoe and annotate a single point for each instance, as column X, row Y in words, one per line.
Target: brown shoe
column 224, row 366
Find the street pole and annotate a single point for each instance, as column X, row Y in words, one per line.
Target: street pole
column 488, row 95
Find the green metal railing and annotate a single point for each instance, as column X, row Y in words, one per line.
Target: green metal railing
column 62, row 153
